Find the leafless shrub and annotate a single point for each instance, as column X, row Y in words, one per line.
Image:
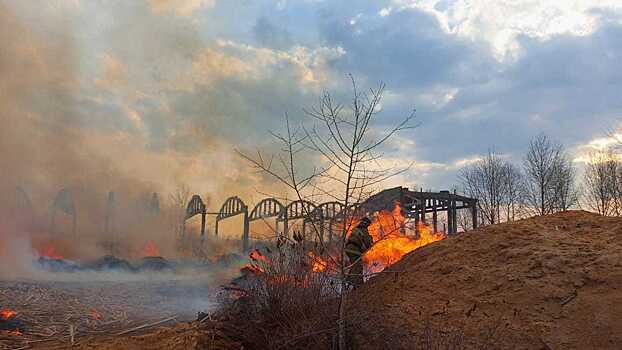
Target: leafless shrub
column 285, row 304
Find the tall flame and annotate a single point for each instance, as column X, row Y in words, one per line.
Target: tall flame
column 393, row 239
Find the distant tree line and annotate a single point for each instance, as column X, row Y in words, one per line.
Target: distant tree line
column 545, row 183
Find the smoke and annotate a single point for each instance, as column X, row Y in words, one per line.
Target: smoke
column 133, row 98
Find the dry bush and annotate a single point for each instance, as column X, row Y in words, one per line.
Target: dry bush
column 286, row 305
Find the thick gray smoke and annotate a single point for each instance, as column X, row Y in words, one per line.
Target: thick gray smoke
column 85, row 115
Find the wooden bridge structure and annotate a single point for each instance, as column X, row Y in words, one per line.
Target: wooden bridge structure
column 420, row 206
column 423, row 207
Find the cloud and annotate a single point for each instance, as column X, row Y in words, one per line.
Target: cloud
column 405, row 48
column 179, row 7
column 269, row 35
column 502, row 23
column 183, row 81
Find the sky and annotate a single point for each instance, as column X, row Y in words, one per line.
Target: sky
column 147, row 94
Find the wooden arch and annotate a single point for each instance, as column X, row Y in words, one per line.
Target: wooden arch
column 231, row 207
column 195, row 206
column 267, row 208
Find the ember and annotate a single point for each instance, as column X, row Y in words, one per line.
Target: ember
column 252, row 269
column 96, row 315
column 256, row 255
column 49, row 251
column 6, row 315
column 151, row 249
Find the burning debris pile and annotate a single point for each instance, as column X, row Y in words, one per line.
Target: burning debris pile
column 531, row 284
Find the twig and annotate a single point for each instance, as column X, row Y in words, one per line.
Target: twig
column 147, row 325
column 569, row 298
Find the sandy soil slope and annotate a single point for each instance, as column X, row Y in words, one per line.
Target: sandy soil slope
column 552, row 282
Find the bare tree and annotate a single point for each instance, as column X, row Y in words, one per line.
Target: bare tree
column 513, row 191
column 485, row 180
column 601, row 180
column 178, row 201
column 550, row 177
column 337, row 156
column 565, row 192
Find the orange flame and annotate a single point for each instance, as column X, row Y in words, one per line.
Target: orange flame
column 252, row 268
column 393, row 239
column 256, row 255
column 49, row 251
column 95, row 315
column 317, row 263
column 6, row 314
column 151, row 249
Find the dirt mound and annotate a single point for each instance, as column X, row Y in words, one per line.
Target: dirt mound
column 552, row 282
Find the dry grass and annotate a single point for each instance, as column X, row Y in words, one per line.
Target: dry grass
column 287, row 306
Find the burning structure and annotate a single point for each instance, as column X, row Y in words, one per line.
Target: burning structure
column 415, row 205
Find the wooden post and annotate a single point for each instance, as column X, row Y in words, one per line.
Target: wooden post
column 435, row 216
column 454, row 224
column 245, row 235
column 474, row 212
column 450, row 220
column 285, row 226
column 216, row 228
column 417, row 218
column 423, row 209
column 203, row 213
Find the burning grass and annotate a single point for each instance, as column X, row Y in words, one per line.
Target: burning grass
column 285, row 301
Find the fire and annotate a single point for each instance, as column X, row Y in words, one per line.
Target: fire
column 95, row 315
column 391, row 242
column 151, row 249
column 317, row 263
column 252, row 268
column 49, row 251
column 16, row 333
column 6, row 314
column 256, row 255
